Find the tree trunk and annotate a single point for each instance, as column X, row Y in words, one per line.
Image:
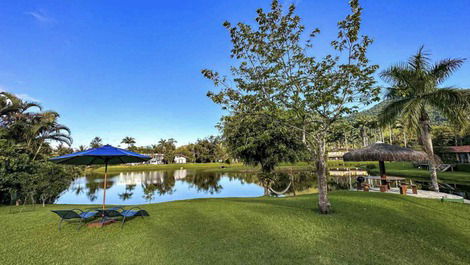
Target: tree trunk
column 321, row 165
column 37, row 152
column 426, row 139
column 363, row 135
column 404, row 139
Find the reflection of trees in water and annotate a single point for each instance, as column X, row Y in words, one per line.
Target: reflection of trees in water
column 78, row 189
column 128, row 193
column 301, row 180
column 163, row 185
column 92, row 187
column 204, row 181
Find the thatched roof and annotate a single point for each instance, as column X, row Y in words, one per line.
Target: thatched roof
column 385, row 152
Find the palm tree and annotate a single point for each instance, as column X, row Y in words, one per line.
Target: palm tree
column 46, row 128
column 415, row 87
column 130, row 141
column 12, row 108
column 82, row 148
column 96, row 142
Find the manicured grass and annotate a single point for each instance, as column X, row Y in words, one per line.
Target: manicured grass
column 219, row 167
column 365, row 228
column 405, row 169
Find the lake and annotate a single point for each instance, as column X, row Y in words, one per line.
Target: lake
column 160, row 186
column 141, row 187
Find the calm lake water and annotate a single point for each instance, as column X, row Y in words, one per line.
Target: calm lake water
column 141, row 187
column 160, row 186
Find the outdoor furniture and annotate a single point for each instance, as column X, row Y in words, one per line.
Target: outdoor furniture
column 124, row 214
column 75, row 214
column 385, row 152
column 377, row 181
column 366, row 187
column 403, row 189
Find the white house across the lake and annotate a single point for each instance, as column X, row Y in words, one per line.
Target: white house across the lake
column 156, row 159
column 180, row 160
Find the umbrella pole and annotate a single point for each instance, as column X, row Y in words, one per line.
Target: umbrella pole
column 104, row 184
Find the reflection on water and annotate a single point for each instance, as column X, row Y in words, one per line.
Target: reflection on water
column 171, row 185
column 160, row 186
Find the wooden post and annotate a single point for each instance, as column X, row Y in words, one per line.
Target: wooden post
column 383, row 177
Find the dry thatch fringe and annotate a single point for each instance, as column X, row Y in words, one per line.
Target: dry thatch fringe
column 385, row 152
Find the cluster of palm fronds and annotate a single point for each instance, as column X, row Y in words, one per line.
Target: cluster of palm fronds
column 24, row 123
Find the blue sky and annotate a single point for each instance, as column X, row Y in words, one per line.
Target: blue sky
column 132, row 68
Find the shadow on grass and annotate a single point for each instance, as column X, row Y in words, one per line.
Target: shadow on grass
column 279, row 231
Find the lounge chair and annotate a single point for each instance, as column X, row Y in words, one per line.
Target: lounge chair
column 124, row 214
column 75, row 214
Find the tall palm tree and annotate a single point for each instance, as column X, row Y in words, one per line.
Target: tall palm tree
column 12, row 108
column 415, row 87
column 82, row 148
column 130, row 141
column 96, row 142
column 46, row 128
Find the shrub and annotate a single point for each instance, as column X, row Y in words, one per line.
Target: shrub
column 23, row 178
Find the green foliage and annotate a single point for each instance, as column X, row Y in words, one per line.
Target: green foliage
column 257, row 139
column 22, row 177
column 130, row 141
column 167, row 148
column 415, row 88
column 209, row 149
column 25, row 138
column 96, row 142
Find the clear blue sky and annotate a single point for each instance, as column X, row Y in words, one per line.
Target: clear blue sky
column 132, row 68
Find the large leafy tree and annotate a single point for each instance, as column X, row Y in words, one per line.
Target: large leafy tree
column 257, row 139
column 275, row 68
column 415, row 87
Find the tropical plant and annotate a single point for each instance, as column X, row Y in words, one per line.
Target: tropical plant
column 167, row 148
column 415, row 87
column 96, row 142
column 130, row 141
column 82, row 148
column 11, row 107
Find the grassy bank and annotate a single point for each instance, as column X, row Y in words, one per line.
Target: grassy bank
column 219, row 167
column 403, row 169
column 366, row 228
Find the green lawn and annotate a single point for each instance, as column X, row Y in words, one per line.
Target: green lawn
column 405, row 169
column 219, row 167
column 365, row 228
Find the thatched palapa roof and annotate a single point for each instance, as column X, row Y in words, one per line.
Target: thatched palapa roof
column 385, row 152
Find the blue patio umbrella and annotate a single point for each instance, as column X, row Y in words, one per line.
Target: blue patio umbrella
column 105, row 155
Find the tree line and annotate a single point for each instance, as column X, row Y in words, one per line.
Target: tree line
column 207, row 150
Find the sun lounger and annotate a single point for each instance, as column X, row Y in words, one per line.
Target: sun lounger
column 75, row 214
column 120, row 212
